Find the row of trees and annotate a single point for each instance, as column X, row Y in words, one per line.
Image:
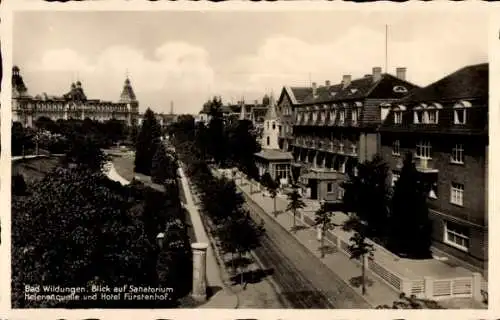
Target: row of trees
column 232, row 224
column 58, row 136
column 226, row 143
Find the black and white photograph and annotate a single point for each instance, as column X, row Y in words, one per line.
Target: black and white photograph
column 231, row 159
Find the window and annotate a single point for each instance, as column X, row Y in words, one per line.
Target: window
column 457, row 194
column 457, row 153
column 398, row 117
column 268, row 141
column 423, row 150
column 418, row 117
column 274, row 126
column 355, row 171
column 342, row 117
column 341, row 147
column 354, row 116
column 315, row 115
column 332, row 116
column 456, row 235
column 432, row 116
column 459, row 116
column 267, row 125
column 329, row 187
column 342, row 167
column 395, row 177
column 340, row 194
column 395, row 148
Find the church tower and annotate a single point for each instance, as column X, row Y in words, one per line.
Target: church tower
column 270, row 133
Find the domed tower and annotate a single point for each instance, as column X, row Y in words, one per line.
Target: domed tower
column 128, row 96
column 18, row 87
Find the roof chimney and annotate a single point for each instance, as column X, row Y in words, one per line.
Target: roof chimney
column 401, row 73
column 327, row 83
column 314, row 87
column 346, row 80
column 377, row 74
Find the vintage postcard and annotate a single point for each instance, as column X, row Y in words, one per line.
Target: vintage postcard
column 249, row 159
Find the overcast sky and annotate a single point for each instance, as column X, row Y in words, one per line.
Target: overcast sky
column 188, row 56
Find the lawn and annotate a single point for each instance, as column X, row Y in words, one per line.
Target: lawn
column 34, row 169
column 124, row 165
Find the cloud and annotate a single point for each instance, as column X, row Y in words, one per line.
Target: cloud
column 186, row 74
column 176, row 71
column 284, row 60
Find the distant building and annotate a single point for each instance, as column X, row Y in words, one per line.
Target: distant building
column 26, row 109
column 255, row 112
column 445, row 126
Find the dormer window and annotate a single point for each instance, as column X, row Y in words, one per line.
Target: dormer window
column 342, row 117
column 354, row 116
column 332, row 115
column 418, row 115
column 398, row 117
column 460, row 112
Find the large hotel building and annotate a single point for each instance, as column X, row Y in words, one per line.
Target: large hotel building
column 26, row 109
column 329, row 129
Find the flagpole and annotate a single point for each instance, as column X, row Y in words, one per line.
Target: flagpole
column 386, row 31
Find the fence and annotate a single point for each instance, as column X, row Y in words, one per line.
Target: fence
column 421, row 287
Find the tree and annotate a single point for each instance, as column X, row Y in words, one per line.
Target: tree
column 18, row 186
column 323, row 219
column 295, row 203
column 149, row 136
column 272, row 187
column 85, row 153
column 410, row 223
column 360, row 249
column 218, row 146
column 243, row 234
column 73, row 223
column 367, row 195
column 159, row 166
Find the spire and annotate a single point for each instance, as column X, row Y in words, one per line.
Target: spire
column 271, row 110
column 171, row 107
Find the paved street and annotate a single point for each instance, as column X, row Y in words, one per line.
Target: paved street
column 305, row 281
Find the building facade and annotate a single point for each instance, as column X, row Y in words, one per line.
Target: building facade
column 336, row 127
column 445, row 126
column 26, row 109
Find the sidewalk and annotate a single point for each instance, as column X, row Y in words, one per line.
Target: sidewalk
column 378, row 293
column 222, row 298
